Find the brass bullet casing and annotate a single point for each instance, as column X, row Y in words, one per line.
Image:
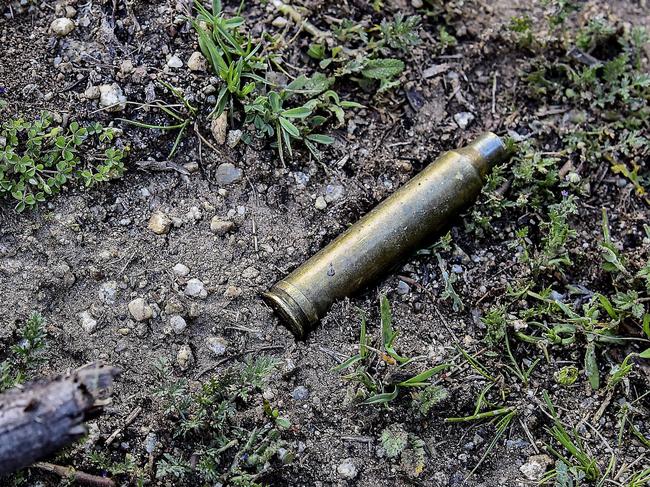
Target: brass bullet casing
column 400, row 225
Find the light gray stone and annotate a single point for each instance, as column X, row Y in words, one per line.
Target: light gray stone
column 62, row 26
column 140, row 310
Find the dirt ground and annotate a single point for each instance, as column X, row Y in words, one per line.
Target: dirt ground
column 92, row 251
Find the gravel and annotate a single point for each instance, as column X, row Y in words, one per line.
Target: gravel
column 159, row 223
column 221, row 227
column 181, row 270
column 88, row 323
column 62, row 26
column 463, row 119
column 184, row 357
column 112, row 98
column 178, row 324
column 300, row 393
column 227, row 174
column 140, row 310
column 195, row 288
column 197, row 62
column 320, row 203
column 347, row 469
column 216, row 345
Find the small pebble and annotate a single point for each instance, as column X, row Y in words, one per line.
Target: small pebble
column 347, row 470
column 320, row 204
column 195, row 288
column 232, row 292
column 180, row 270
column 216, row 345
column 112, row 98
column 219, row 127
column 88, row 323
column 140, row 310
column 463, row 119
column 62, row 26
column 403, row 288
column 227, row 174
column 92, row 93
column 159, row 223
column 234, row 136
column 175, row 62
column 535, row 466
column 300, row 393
column 250, row 273
column 279, row 22
column 221, row 227
column 184, row 357
column 197, row 62
column 178, row 324
column 108, row 292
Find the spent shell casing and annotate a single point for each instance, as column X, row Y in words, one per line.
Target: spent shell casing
column 400, row 225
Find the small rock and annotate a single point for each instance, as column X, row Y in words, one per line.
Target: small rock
column 250, row 273
column 301, row 178
column 126, row 67
column 535, row 466
column 175, row 62
column 174, row 306
column 197, row 62
column 88, row 323
column 70, row 11
column 221, row 227
column 320, row 204
column 191, row 167
column 403, row 288
column 417, row 3
column 219, row 127
column 150, row 442
column 347, row 470
column 112, row 98
column 457, row 269
column 300, row 393
column 140, row 310
column 159, row 223
column 180, row 270
column 178, row 324
column 216, row 345
column 92, row 93
column 227, row 174
column 279, row 22
column 62, row 26
column 232, row 292
column 195, row 288
column 194, row 214
column 184, row 357
column 334, row 192
column 108, row 292
column 463, row 119
column 234, row 136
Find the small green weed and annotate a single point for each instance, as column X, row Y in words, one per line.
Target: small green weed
column 182, row 116
column 39, row 158
column 409, row 447
column 273, row 111
column 224, row 449
column 374, row 383
column 24, row 356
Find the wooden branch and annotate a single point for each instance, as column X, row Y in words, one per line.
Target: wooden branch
column 40, row 418
column 82, row 478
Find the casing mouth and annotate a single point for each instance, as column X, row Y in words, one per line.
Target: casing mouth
column 294, row 309
column 485, row 152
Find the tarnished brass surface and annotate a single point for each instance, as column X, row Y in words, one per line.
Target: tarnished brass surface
column 401, row 224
